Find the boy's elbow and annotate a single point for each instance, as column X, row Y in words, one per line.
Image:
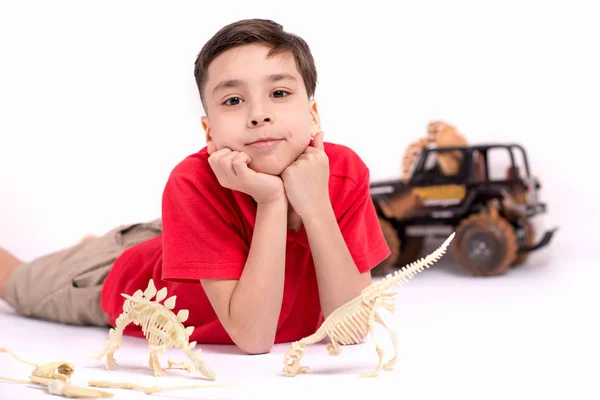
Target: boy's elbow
column 254, row 342
column 254, row 347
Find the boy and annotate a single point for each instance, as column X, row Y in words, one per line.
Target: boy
column 264, row 231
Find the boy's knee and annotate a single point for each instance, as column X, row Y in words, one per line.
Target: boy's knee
column 8, row 262
column 3, row 291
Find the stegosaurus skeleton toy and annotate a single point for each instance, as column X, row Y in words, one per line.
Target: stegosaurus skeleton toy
column 352, row 321
column 161, row 327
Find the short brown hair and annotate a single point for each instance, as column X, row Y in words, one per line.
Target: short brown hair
column 263, row 31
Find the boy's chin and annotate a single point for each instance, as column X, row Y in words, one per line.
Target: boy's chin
column 270, row 169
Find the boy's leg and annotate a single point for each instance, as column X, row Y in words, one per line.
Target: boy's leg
column 65, row 286
column 8, row 263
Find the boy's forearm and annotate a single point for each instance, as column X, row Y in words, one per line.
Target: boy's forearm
column 256, row 300
column 338, row 277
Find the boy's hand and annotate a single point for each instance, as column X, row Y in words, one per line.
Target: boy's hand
column 306, row 180
column 232, row 171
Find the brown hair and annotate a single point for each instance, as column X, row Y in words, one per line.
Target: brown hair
column 256, row 31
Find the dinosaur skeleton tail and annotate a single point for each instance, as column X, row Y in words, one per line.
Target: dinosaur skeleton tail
column 405, row 274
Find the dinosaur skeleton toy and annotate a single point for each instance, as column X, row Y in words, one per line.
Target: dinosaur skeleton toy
column 352, row 321
column 161, row 327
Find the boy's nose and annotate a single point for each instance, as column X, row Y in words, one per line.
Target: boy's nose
column 259, row 120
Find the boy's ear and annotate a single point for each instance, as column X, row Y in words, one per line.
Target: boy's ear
column 210, row 143
column 315, row 119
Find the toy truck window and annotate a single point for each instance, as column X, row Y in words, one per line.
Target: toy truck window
column 438, row 167
column 500, row 164
column 520, row 162
column 430, row 161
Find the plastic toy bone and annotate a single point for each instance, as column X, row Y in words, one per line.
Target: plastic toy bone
column 161, row 327
column 55, row 376
column 353, row 320
column 149, row 389
column 65, row 389
column 55, row 370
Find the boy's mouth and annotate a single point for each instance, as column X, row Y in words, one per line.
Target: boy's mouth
column 265, row 143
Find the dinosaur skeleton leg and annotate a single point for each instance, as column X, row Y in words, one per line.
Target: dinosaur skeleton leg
column 182, row 364
column 154, row 361
column 390, row 364
column 293, row 358
column 115, row 337
column 333, row 347
column 378, row 348
column 301, row 349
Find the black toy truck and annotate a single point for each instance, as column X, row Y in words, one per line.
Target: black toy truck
column 489, row 211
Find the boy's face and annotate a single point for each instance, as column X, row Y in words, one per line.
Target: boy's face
column 258, row 105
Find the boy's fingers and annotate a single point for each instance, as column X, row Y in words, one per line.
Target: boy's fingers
column 243, row 157
column 221, row 153
column 216, row 158
column 226, row 164
column 317, row 141
column 240, row 163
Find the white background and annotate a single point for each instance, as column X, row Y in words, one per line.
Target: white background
column 98, row 103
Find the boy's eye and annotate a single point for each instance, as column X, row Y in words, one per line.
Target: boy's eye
column 232, row 101
column 280, row 93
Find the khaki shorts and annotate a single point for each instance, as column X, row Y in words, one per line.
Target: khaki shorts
column 65, row 286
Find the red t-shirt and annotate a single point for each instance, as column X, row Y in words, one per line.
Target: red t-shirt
column 207, row 231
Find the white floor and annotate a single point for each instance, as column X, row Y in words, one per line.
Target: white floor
column 527, row 334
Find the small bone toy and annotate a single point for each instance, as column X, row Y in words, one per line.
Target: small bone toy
column 62, row 388
column 55, row 370
column 351, row 322
column 161, row 327
column 55, row 377
column 151, row 389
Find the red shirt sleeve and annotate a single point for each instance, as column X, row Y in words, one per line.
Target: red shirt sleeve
column 359, row 224
column 202, row 238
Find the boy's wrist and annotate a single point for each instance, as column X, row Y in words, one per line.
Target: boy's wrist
column 276, row 200
column 319, row 215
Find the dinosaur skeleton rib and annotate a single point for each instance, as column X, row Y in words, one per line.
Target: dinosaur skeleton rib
column 354, row 320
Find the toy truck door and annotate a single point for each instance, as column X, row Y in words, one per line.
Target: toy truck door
column 439, row 177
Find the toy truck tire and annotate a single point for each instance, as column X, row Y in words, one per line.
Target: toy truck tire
column 526, row 236
column 485, row 245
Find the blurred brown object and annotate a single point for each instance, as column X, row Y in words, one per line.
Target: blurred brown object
column 439, row 134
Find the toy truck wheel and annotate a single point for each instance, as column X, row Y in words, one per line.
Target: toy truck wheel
column 525, row 233
column 391, row 237
column 485, row 245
